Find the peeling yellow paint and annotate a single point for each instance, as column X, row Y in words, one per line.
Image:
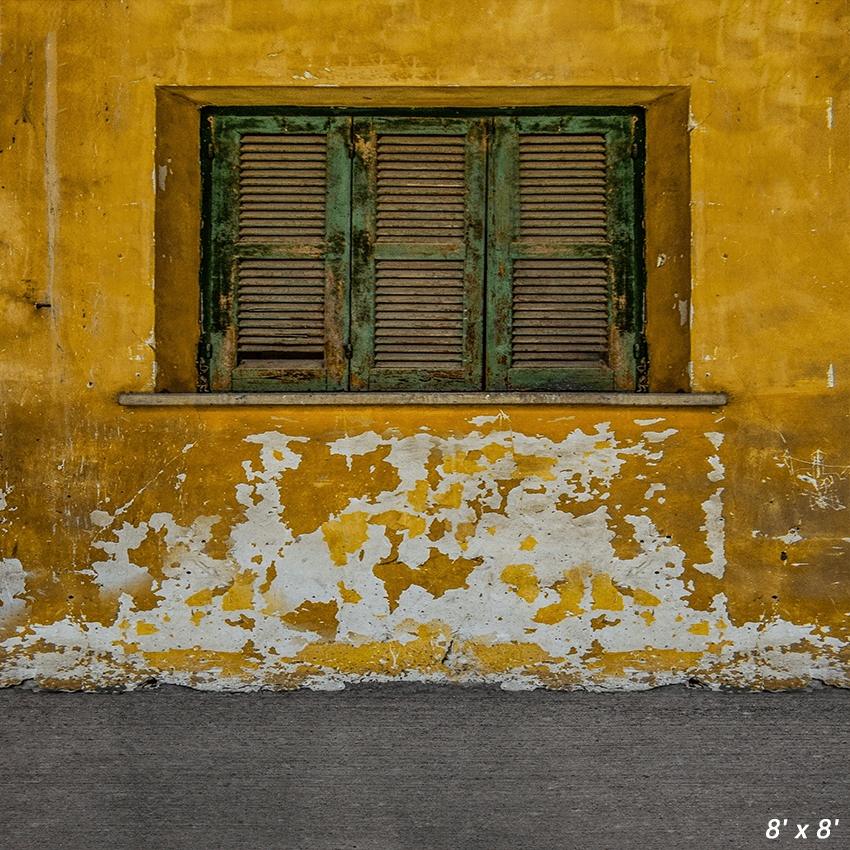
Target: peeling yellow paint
column 643, row 597
column 605, row 595
column 345, row 535
column 527, row 465
column 494, row 451
column 239, row 547
column 242, row 621
column 648, row 659
column 463, row 532
column 241, row 593
column 318, row 617
column 523, row 580
column 571, row 591
column 399, row 521
column 202, row 597
column 462, row 463
column 418, row 497
column 348, row 595
column 437, row 575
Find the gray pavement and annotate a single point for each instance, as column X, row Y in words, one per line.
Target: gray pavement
column 406, row 767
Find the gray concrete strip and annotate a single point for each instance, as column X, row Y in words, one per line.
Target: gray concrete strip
column 406, row 767
column 500, row 399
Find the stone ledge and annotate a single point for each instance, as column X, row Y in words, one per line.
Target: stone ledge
column 424, row 398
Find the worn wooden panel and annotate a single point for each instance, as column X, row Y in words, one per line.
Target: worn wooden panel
column 418, row 276
column 281, row 309
column 559, row 311
column 562, row 187
column 279, row 251
column 562, row 296
column 282, row 187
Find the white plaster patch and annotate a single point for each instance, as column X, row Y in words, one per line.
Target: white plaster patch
column 118, row 571
column 12, row 586
column 658, row 436
column 359, row 444
column 716, row 438
column 653, row 489
column 275, row 454
column 715, row 534
column 718, row 470
column 793, row 536
column 484, row 420
column 101, row 518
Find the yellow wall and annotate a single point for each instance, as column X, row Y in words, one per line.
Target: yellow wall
column 557, row 546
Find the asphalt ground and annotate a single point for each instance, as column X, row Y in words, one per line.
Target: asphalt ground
column 413, row 767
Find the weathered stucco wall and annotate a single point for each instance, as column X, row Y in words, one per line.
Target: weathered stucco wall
column 532, row 546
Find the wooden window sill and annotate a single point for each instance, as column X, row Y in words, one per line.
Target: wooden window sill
column 246, row 399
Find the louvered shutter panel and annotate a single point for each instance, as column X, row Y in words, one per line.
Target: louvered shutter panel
column 418, row 264
column 563, row 305
column 280, row 267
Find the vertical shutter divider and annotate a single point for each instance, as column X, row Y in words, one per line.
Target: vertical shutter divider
column 362, row 253
column 503, row 204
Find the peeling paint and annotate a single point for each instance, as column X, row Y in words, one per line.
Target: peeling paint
column 530, row 546
column 817, row 479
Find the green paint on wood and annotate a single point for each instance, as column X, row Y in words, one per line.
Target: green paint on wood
column 455, row 255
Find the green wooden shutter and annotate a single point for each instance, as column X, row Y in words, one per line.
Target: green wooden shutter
column 276, row 308
column 418, row 263
column 563, row 301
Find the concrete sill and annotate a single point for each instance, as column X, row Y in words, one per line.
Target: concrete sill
column 425, row 398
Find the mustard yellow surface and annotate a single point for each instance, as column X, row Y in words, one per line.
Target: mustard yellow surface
column 605, row 548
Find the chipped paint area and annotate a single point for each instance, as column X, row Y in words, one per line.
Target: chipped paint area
column 492, row 556
column 557, row 546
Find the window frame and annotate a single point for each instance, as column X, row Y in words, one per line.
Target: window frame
column 215, row 362
column 172, row 309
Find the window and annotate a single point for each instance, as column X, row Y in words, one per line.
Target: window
column 445, row 251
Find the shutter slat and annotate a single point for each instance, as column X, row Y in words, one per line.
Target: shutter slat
column 286, row 168
column 554, row 321
column 288, row 321
column 412, row 192
column 414, row 324
column 551, row 173
column 428, row 166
